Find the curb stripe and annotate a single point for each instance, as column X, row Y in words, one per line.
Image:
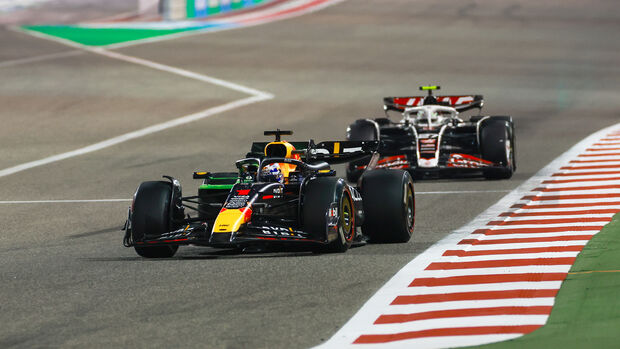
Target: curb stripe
column 580, row 180
column 551, row 221
column 525, row 240
column 473, row 296
column 400, row 318
column 589, row 155
column 457, row 331
column 571, row 197
column 501, row 263
column 592, row 161
column 601, row 149
column 486, row 279
column 592, row 167
column 502, row 271
column 611, row 211
column 585, row 204
column 536, row 230
column 466, row 253
column 595, row 187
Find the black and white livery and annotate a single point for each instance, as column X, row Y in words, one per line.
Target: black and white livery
column 432, row 140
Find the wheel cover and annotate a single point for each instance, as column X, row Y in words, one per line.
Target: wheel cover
column 347, row 216
column 410, row 208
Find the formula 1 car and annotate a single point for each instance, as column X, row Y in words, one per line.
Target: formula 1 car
column 283, row 193
column 433, row 140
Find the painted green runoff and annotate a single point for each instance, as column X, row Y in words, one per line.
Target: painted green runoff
column 586, row 313
column 101, row 36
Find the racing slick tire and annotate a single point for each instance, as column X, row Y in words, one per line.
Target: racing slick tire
column 360, row 130
column 150, row 218
column 497, row 145
column 388, row 198
column 318, row 196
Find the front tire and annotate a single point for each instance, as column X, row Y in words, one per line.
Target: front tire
column 388, row 197
column 150, row 218
column 497, row 145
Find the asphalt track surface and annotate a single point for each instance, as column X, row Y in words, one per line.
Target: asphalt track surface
column 68, row 282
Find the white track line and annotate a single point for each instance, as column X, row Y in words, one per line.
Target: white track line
column 183, row 72
column 40, row 58
column 133, row 135
column 60, row 201
column 255, row 96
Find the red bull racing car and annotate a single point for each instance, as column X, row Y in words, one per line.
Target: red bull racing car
column 282, row 193
column 432, row 140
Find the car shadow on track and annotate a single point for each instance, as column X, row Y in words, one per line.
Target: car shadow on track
column 96, row 232
column 210, row 253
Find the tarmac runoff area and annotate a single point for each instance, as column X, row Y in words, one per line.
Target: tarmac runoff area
column 68, row 280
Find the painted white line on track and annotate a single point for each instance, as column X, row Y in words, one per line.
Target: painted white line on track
column 133, row 135
column 40, row 58
column 61, row 201
column 255, row 96
column 413, row 278
column 183, row 72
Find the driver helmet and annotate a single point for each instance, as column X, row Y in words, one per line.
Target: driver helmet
column 273, row 172
column 429, row 117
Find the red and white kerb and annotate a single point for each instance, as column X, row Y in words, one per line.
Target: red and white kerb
column 497, row 278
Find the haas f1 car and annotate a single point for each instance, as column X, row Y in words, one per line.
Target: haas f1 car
column 282, row 193
column 431, row 139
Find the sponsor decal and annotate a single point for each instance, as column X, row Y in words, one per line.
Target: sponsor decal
column 279, row 231
column 395, row 162
column 418, row 101
column 467, row 161
column 237, row 201
column 427, row 143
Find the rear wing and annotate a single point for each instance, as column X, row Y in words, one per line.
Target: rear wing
column 336, row 152
column 332, row 152
column 460, row 103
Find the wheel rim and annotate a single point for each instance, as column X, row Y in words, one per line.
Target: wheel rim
column 509, row 158
column 347, row 217
column 410, row 208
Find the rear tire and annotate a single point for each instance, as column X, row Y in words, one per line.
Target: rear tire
column 150, row 218
column 360, row 130
column 319, row 194
column 497, row 146
column 389, row 205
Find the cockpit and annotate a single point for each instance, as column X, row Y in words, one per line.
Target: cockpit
column 431, row 116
